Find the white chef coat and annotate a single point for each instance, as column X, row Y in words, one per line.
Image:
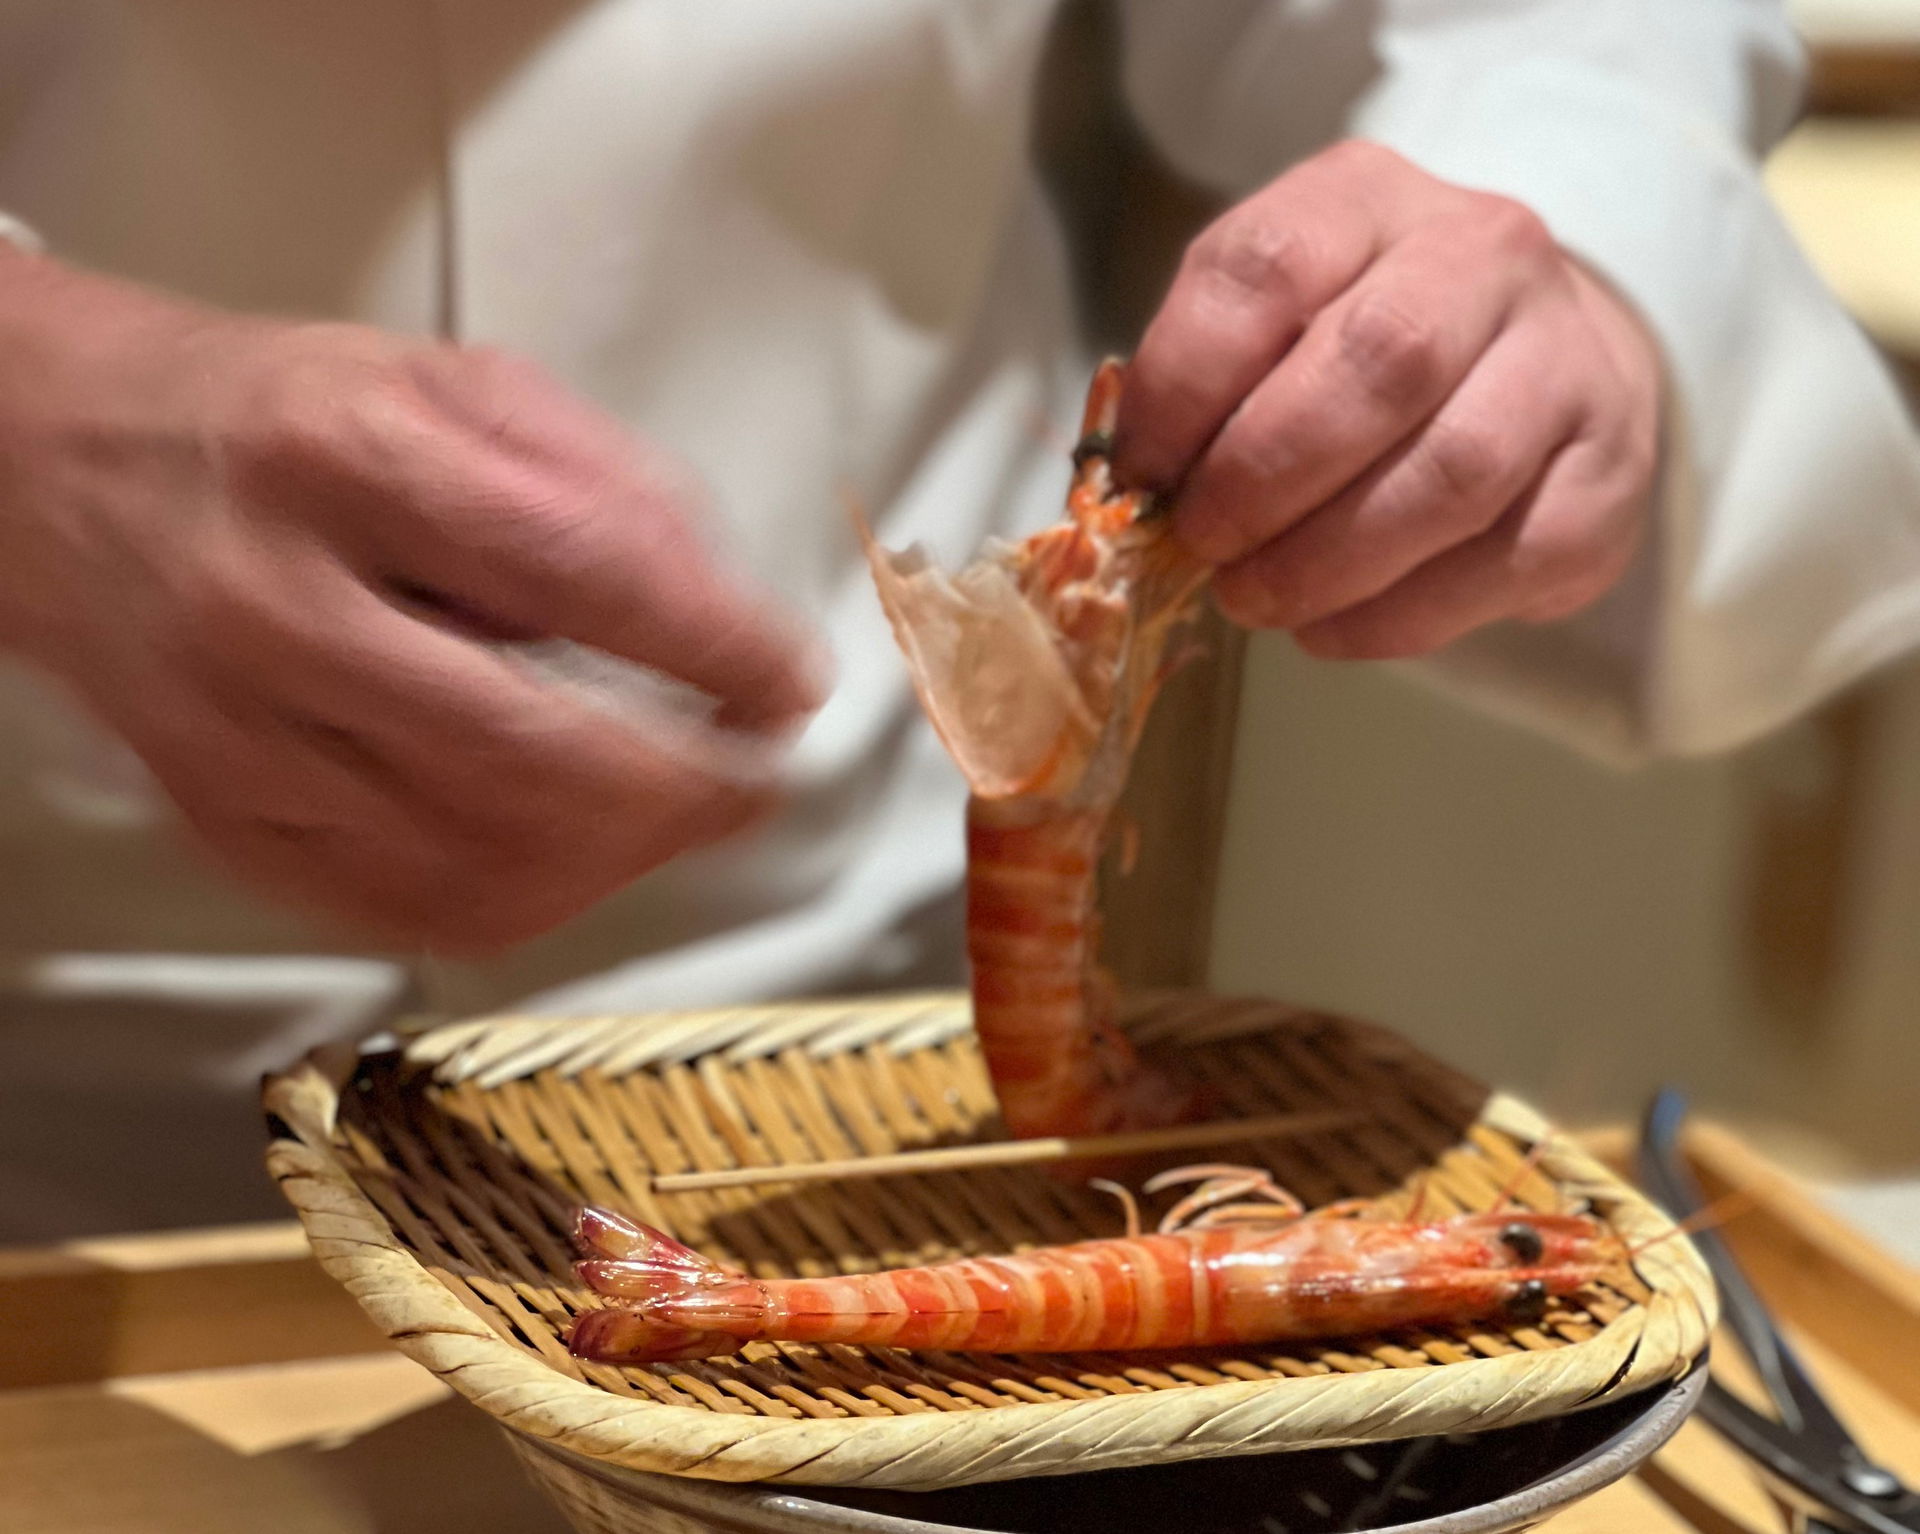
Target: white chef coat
column 805, row 248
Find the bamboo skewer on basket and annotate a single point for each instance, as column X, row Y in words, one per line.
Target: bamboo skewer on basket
column 958, row 1158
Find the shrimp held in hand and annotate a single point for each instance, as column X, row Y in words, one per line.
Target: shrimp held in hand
column 1037, row 665
column 1239, row 1280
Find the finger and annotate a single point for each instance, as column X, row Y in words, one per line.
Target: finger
column 461, row 902
column 1370, row 368
column 276, row 807
column 309, row 814
column 1244, row 293
column 1563, row 545
column 616, row 569
column 517, row 405
column 584, row 542
column 495, row 751
column 220, row 754
column 447, row 888
column 1449, row 482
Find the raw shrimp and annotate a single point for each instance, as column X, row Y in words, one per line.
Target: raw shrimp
column 1037, row 665
column 1233, row 1275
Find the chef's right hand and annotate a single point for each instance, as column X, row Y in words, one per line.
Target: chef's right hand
column 265, row 553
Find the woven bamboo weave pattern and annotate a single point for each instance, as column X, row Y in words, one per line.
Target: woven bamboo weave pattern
column 438, row 1184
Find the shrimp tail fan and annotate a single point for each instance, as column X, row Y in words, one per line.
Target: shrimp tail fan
column 666, row 1301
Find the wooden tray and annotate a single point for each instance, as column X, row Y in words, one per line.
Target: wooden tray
column 134, row 1374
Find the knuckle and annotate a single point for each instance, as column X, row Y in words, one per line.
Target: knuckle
column 550, row 529
column 1577, row 576
column 480, row 377
column 1243, row 463
column 1236, row 513
column 284, row 434
column 1361, row 156
column 1397, row 353
column 224, row 601
column 376, row 415
column 1246, row 600
column 1461, row 460
column 1248, row 253
column 330, row 418
column 1553, row 565
column 1513, row 226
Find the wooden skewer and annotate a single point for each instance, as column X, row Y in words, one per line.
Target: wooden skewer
column 960, row 1158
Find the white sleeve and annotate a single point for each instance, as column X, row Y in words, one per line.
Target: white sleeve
column 1786, row 558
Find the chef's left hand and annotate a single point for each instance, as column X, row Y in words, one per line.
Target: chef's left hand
column 1393, row 410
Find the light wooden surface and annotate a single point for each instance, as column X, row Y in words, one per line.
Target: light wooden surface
column 87, row 1459
column 1854, row 1313
column 364, row 1444
column 1850, row 187
column 156, row 1304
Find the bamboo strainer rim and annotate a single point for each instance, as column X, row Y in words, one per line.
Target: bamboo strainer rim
column 475, row 1334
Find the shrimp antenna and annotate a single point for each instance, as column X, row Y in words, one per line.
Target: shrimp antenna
column 1220, row 1185
column 1127, row 1202
column 1202, row 1171
column 1422, row 1184
column 1510, row 1194
column 1722, row 1210
column 1044, row 429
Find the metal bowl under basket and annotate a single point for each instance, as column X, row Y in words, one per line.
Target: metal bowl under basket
column 1477, row 1483
column 437, row 1184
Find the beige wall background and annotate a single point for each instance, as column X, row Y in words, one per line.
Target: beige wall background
column 1748, row 927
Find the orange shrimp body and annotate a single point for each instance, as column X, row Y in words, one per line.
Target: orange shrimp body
column 1248, row 1282
column 1037, row 665
column 1042, row 1006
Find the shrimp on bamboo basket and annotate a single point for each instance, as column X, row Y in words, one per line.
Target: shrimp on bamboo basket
column 1215, row 1274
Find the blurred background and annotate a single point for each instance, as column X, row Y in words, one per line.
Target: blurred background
column 1748, row 926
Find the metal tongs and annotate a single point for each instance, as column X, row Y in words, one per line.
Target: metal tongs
column 1806, row 1447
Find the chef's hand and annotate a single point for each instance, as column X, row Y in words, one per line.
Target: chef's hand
column 263, row 553
column 1393, row 410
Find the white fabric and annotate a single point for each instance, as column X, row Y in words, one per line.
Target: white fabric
column 803, row 246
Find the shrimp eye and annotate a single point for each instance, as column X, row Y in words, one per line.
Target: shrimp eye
column 1529, row 1302
column 1523, row 1241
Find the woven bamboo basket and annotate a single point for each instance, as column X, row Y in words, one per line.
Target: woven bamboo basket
column 436, row 1183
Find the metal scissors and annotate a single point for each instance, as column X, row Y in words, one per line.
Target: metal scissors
column 1806, row 1446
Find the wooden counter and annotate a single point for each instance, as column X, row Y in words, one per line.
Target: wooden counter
column 217, row 1383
